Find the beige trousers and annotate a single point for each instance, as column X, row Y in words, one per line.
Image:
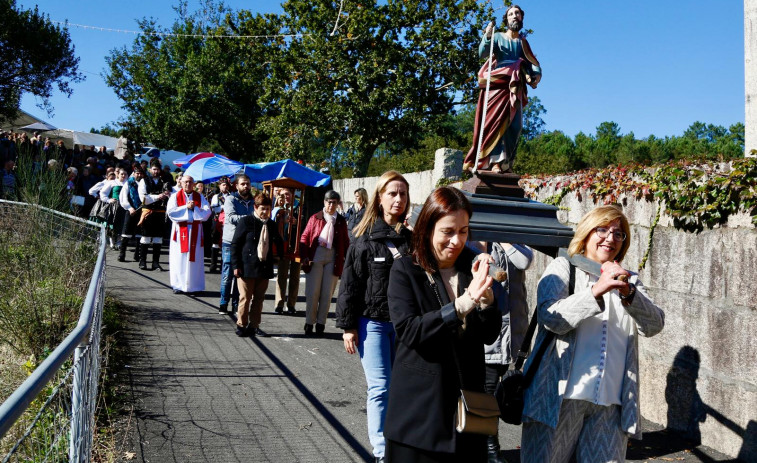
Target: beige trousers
column 319, row 286
column 251, row 296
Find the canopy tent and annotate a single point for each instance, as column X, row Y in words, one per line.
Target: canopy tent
column 38, row 126
column 286, row 168
column 72, row 137
column 21, row 120
column 166, row 156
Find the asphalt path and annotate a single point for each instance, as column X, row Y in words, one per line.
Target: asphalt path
column 198, row 393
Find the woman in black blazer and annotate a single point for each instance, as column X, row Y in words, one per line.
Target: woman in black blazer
column 454, row 316
column 256, row 240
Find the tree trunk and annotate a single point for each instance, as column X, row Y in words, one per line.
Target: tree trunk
column 363, row 160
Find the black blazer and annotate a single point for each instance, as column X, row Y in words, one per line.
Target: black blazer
column 244, row 247
column 425, row 385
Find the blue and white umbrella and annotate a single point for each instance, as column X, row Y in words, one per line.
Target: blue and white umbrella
column 212, row 169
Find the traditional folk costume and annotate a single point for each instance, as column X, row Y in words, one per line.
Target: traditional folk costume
column 187, row 245
column 152, row 219
column 130, row 201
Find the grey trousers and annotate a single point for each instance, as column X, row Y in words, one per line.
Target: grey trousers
column 592, row 431
column 319, row 286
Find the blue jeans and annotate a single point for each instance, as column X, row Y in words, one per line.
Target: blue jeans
column 376, row 348
column 228, row 289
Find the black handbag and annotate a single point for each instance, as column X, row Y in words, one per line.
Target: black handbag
column 512, row 387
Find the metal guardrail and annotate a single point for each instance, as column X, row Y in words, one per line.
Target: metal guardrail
column 81, row 347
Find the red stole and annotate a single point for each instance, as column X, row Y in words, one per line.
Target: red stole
column 189, row 243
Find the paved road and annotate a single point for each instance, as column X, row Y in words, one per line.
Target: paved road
column 201, row 394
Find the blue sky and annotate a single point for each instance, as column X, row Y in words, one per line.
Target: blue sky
column 654, row 67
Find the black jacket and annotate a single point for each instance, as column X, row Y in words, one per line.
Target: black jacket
column 425, row 385
column 244, row 247
column 353, row 218
column 365, row 278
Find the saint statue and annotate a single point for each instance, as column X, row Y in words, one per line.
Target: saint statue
column 513, row 66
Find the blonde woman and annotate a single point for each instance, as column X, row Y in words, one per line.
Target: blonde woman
column 362, row 310
column 584, row 398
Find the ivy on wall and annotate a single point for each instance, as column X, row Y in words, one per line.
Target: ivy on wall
column 695, row 195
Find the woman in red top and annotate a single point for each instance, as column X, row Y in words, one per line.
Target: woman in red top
column 323, row 247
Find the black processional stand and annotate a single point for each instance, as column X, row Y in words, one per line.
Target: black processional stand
column 501, row 213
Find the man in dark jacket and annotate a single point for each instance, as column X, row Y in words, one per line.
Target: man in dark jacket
column 256, row 240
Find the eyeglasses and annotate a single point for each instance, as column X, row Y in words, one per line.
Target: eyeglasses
column 332, row 201
column 617, row 235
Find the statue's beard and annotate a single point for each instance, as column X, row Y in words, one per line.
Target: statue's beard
column 515, row 25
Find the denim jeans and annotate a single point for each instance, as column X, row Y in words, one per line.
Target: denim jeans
column 228, row 289
column 376, row 348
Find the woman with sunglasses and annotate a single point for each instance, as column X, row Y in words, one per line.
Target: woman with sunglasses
column 584, row 398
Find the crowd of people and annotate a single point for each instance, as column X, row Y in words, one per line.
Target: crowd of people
column 416, row 303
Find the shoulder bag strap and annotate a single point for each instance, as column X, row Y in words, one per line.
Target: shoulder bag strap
column 393, row 249
column 435, row 287
column 523, row 353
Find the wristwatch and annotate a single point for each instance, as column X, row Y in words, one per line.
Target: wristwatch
column 629, row 297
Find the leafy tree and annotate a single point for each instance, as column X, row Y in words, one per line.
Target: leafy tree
column 549, row 153
column 106, row 130
column 37, row 56
column 533, row 124
column 371, row 74
column 191, row 93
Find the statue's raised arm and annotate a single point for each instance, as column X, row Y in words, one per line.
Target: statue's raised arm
column 513, row 66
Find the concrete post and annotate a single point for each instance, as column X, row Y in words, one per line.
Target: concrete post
column 448, row 164
column 750, row 76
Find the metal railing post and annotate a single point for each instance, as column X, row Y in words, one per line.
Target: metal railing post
column 76, row 432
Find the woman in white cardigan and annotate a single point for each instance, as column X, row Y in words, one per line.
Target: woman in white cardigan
column 584, row 398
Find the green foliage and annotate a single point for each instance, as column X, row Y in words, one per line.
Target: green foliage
column 383, row 77
column 192, row 92
column 695, row 195
column 37, row 56
column 107, row 130
column 42, row 292
column 533, row 124
column 39, row 183
column 554, row 153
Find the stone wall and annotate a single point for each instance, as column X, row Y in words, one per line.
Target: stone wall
column 699, row 376
column 448, row 164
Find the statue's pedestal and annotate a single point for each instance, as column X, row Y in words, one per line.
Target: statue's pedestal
column 502, row 213
column 496, row 184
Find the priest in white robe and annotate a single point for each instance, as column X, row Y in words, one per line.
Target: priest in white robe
column 187, row 209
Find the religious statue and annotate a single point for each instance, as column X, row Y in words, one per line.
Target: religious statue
column 512, row 66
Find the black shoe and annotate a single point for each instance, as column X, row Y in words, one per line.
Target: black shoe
column 319, row 329
column 291, row 310
column 308, row 329
column 241, row 332
column 492, row 449
column 178, row 291
column 156, row 257
column 143, row 255
column 259, row 333
column 122, row 250
column 223, row 309
column 279, row 310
